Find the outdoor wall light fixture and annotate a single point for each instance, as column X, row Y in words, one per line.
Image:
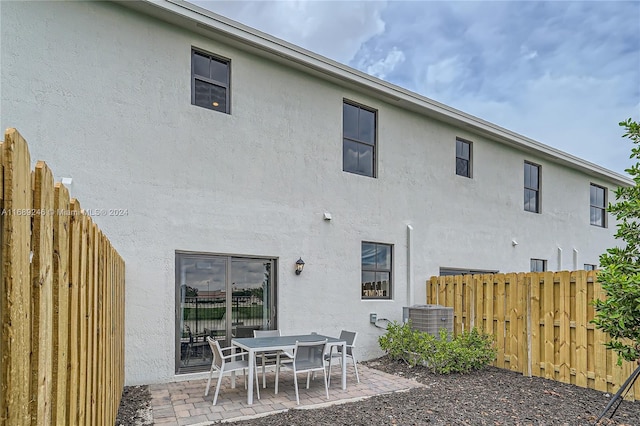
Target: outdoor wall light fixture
column 299, row 266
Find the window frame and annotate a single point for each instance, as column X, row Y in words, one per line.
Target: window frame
column 225, row 85
column 544, row 265
column 537, row 190
column 376, row 269
column 374, row 145
column 603, row 208
column 468, row 160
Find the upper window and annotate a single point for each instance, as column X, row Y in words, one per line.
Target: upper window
column 590, row 267
column 358, row 139
column 598, row 203
column 538, row 265
column 531, row 187
column 209, row 81
column 463, row 158
column 376, row 270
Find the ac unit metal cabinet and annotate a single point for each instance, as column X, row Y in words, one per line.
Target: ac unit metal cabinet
column 431, row 318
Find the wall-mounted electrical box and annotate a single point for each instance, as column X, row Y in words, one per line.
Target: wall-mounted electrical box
column 373, row 318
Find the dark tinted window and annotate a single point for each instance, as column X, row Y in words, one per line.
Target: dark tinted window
column 463, row 158
column 531, row 187
column 358, row 140
column 209, row 81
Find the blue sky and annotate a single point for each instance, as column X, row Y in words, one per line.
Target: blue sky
column 562, row 73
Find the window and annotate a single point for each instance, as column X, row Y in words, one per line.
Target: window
column 538, row 265
column 209, row 81
column 358, row 139
column 531, row 187
column 376, row 270
column 463, row 158
column 598, row 203
column 590, row 267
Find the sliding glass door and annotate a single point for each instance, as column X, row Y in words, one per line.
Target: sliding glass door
column 221, row 297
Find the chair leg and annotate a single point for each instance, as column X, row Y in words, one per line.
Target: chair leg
column 308, row 377
column 329, row 380
column 264, row 373
column 355, row 366
column 206, row 391
column 215, row 396
column 326, row 383
column 295, row 382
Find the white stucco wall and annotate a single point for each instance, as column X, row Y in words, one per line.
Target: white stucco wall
column 102, row 94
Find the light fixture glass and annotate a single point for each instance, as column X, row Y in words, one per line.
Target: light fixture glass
column 299, row 266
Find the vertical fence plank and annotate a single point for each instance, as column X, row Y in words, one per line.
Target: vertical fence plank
column 581, row 328
column 534, row 315
column 90, row 329
column 500, row 322
column 60, row 303
column 82, row 378
column 524, row 283
column 15, row 293
column 75, row 254
column 457, row 305
column 549, row 319
column 468, row 302
column 478, row 287
column 564, row 340
column 513, row 321
column 42, row 295
column 599, row 340
column 489, row 298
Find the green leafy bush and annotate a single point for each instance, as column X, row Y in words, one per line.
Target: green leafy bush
column 468, row 351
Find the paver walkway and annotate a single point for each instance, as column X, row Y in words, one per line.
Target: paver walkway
column 184, row 403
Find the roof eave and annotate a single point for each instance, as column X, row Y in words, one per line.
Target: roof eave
column 197, row 19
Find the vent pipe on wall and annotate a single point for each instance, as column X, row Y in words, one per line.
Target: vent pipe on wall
column 559, row 259
column 409, row 266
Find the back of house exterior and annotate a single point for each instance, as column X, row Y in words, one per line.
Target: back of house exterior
column 214, row 157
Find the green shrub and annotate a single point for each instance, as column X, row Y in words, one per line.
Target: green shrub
column 468, row 351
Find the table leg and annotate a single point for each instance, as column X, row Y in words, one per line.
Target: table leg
column 344, row 366
column 252, row 367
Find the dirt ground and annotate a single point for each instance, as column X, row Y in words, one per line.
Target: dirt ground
column 488, row 397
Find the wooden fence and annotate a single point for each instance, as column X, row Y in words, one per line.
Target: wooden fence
column 61, row 302
column 541, row 323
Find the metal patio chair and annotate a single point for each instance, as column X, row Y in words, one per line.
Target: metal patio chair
column 308, row 357
column 225, row 364
column 269, row 358
column 350, row 338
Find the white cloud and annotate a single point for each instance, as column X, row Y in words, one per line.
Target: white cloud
column 382, row 67
column 334, row 29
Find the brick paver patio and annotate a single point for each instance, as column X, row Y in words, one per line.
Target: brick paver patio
column 184, row 403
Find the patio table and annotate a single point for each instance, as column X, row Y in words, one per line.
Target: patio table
column 254, row 345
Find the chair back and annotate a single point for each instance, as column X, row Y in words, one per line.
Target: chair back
column 266, row 333
column 216, row 352
column 350, row 338
column 309, row 355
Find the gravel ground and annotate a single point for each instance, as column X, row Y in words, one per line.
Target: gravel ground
column 488, row 397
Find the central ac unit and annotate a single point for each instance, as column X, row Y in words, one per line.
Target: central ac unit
column 430, row 318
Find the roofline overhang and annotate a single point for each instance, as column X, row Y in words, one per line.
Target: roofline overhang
column 197, row 19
